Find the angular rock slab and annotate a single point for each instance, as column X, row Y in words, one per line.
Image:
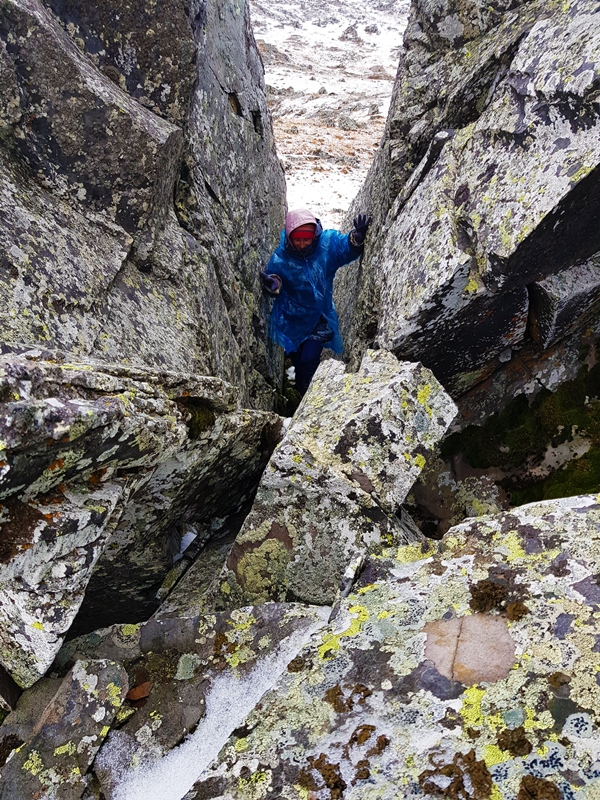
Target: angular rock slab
column 508, row 200
column 330, row 492
column 556, row 303
column 97, row 457
column 65, row 142
column 467, row 671
column 53, row 762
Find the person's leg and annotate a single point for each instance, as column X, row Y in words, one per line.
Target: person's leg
column 307, row 360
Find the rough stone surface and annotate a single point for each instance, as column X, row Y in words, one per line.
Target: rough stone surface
column 557, row 302
column 447, row 492
column 99, row 464
column 140, row 191
column 53, row 760
column 469, row 671
column 486, row 181
column 334, row 484
column 171, row 664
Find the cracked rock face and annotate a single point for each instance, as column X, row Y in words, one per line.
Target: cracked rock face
column 334, row 484
column 140, row 192
column 486, row 184
column 99, row 463
column 467, row 671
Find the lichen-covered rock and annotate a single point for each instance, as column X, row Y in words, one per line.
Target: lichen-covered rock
column 447, row 492
column 334, row 484
column 487, row 181
column 467, row 671
column 63, row 142
column 172, row 664
column 98, row 464
column 134, row 142
column 51, row 764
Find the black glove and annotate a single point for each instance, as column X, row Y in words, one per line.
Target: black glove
column 361, row 226
column 271, row 283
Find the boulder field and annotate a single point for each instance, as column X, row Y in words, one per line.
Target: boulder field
column 394, row 593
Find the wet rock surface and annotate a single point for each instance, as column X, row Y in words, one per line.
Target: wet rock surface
column 468, row 670
column 333, row 486
column 485, row 183
column 140, row 194
column 172, row 664
column 53, row 758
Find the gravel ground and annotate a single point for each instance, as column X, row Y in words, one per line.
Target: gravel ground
column 330, row 70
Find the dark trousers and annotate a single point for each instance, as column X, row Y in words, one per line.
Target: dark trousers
column 306, row 360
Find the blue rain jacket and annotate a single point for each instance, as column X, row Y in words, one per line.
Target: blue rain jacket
column 307, row 287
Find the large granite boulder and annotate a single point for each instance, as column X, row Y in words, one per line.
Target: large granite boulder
column 99, row 464
column 334, row 484
column 465, row 671
column 486, row 184
column 140, row 192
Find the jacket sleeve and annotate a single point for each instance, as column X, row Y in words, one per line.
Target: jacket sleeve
column 341, row 251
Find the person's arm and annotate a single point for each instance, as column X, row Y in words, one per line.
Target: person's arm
column 348, row 247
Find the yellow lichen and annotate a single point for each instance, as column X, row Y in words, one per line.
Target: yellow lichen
column 331, row 641
column 471, row 707
column 512, row 544
column 65, row 749
column 423, row 393
column 113, row 692
column 34, row 763
column 492, row 755
column 472, row 285
column 129, row 630
column 413, row 552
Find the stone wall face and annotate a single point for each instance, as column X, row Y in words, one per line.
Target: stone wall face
column 487, row 182
column 139, row 186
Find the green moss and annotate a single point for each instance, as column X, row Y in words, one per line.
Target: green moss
column 517, row 439
column 521, row 433
column 581, row 476
column 200, row 417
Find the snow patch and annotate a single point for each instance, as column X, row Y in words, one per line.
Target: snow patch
column 228, row 702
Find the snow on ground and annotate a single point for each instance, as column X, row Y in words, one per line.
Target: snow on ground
column 329, row 69
column 228, row 702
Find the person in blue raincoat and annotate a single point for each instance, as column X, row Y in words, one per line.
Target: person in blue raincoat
column 300, row 274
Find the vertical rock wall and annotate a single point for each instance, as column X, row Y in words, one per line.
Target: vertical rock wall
column 140, row 191
column 487, row 182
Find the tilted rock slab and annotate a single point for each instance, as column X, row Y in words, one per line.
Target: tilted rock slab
column 133, row 141
column 505, row 198
column 53, row 761
column 557, row 302
column 467, row 670
column 100, row 459
column 330, row 492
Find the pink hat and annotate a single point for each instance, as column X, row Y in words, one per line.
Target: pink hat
column 299, row 216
